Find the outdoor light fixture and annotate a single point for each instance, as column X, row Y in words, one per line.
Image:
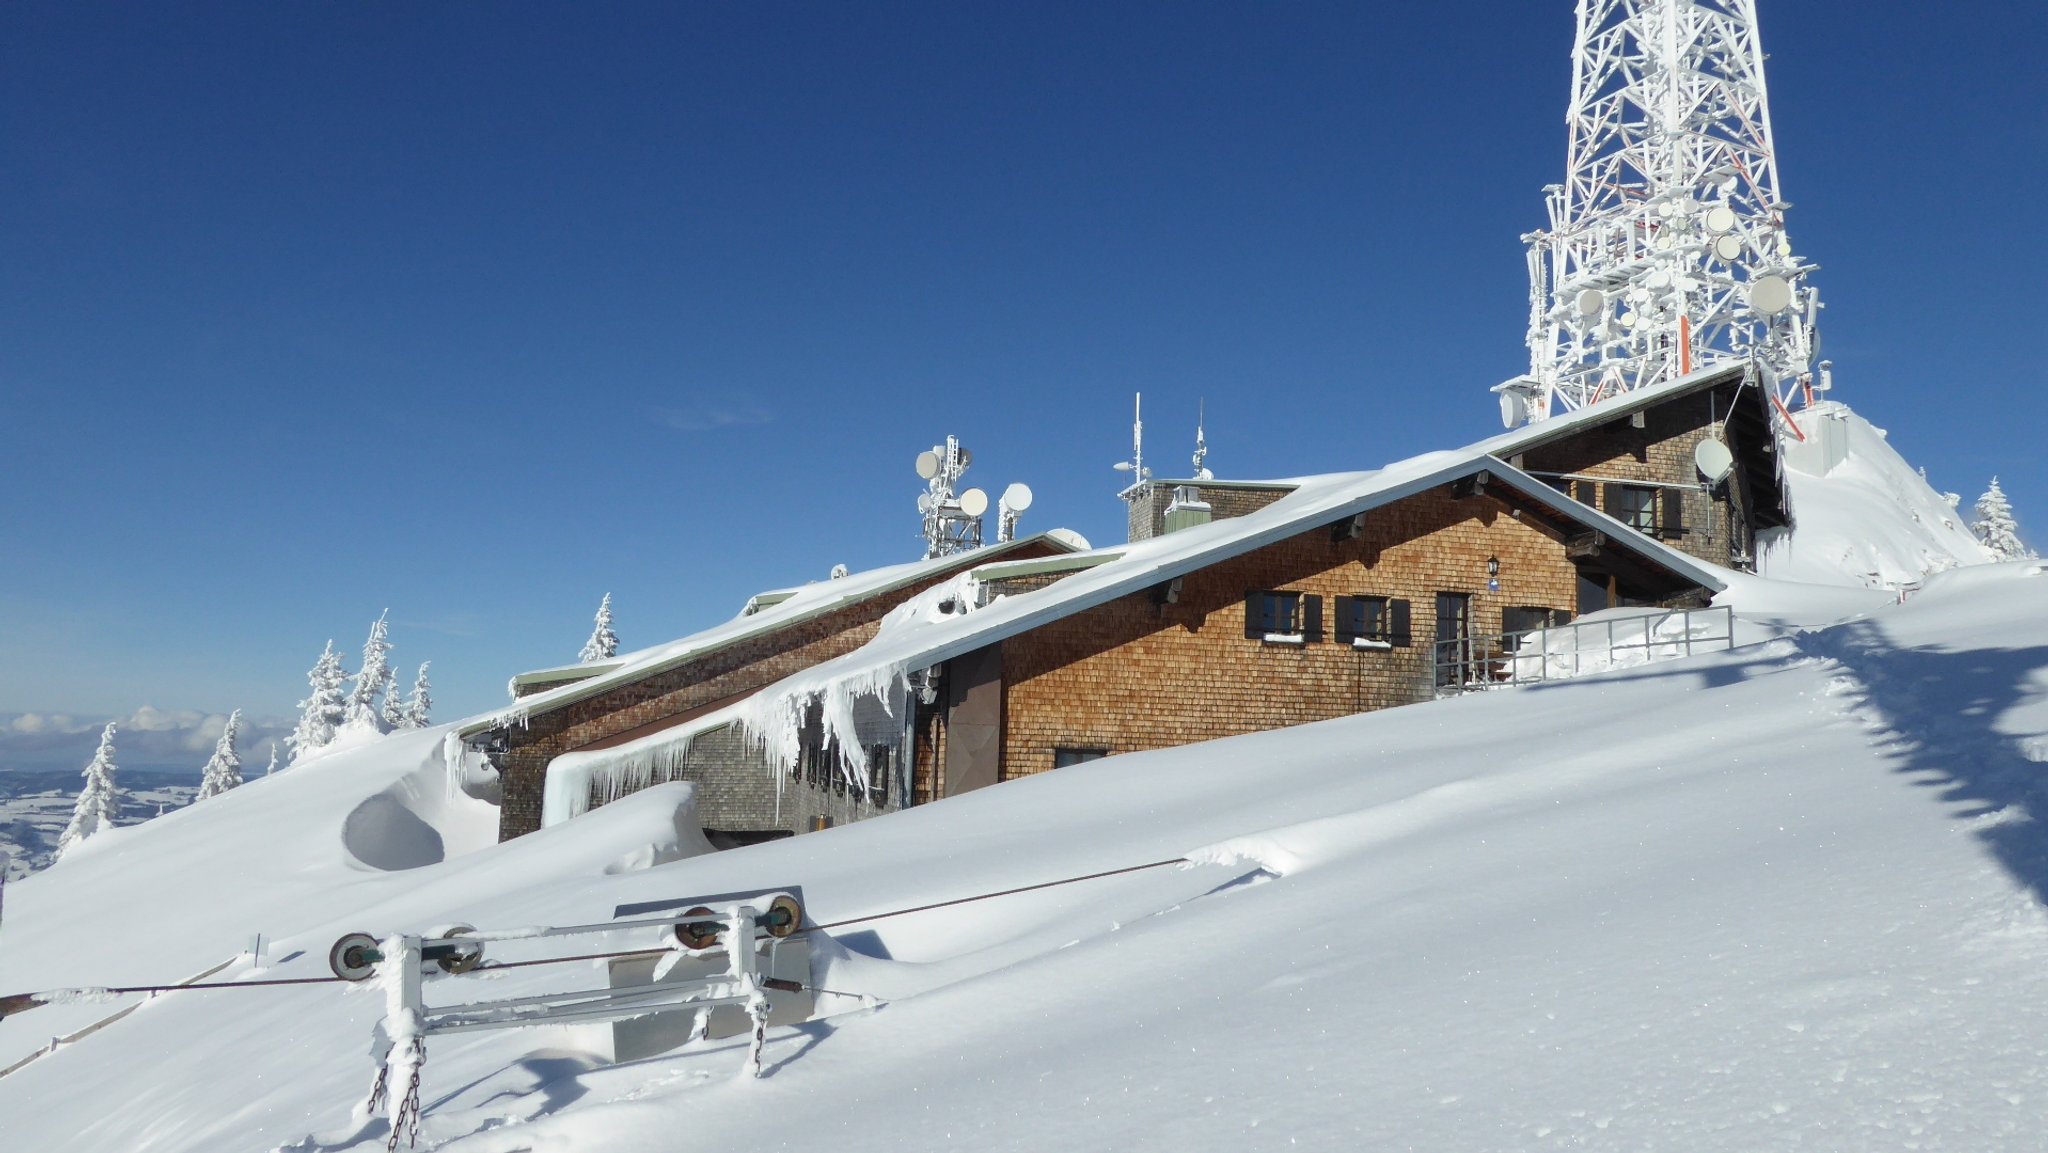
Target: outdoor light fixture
column 1493, row 566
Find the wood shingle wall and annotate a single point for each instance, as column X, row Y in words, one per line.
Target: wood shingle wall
column 1140, row 674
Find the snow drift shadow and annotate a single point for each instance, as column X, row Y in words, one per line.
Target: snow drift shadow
column 1936, row 714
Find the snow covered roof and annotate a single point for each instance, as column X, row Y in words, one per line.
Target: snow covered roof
column 765, row 613
column 1316, row 501
column 1534, row 433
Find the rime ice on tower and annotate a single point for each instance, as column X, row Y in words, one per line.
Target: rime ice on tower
column 1666, row 250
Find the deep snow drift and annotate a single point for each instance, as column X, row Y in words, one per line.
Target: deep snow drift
column 1782, row 896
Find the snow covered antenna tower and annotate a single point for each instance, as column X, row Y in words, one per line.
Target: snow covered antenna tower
column 1666, row 249
column 1201, row 445
column 952, row 523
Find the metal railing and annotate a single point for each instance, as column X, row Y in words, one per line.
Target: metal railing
column 1562, row 652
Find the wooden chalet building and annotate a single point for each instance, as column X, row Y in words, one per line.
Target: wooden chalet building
column 1235, row 608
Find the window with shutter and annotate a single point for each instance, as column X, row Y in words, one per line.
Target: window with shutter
column 1398, row 632
column 1363, row 621
column 1671, row 525
column 1277, row 615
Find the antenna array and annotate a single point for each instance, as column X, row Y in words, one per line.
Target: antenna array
column 1666, row 250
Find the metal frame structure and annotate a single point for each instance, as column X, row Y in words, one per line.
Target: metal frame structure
column 952, row 519
column 1666, row 250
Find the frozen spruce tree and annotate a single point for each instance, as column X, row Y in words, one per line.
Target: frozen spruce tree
column 99, row 802
column 1995, row 526
column 376, row 672
column 603, row 644
column 224, row 770
column 421, row 702
column 393, row 710
column 323, row 711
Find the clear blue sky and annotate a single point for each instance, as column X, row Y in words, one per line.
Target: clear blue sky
column 478, row 311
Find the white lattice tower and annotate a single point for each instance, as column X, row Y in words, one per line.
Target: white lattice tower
column 1666, row 250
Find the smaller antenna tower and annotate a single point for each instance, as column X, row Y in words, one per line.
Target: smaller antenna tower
column 1141, row 476
column 1201, row 444
column 952, row 524
column 1016, row 499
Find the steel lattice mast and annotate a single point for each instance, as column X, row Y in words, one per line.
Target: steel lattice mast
column 1666, row 250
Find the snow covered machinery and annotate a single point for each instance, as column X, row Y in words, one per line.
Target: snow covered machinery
column 720, row 966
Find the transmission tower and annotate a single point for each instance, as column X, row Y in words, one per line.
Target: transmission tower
column 1666, row 251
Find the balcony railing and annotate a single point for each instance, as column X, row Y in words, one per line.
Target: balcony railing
column 1566, row 651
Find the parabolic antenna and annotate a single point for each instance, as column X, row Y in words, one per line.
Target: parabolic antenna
column 1769, row 295
column 1070, row 538
column 1017, row 497
column 1714, row 460
column 1728, row 248
column 1720, row 219
column 974, row 502
column 1514, row 409
column 927, row 464
column 1591, row 302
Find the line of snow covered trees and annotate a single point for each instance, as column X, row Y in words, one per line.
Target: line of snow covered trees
column 371, row 704
column 368, row 702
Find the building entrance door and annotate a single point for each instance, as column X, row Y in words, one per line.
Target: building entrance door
column 1453, row 638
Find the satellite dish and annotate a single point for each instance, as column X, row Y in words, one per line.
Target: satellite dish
column 1769, row 295
column 1720, row 219
column 1591, row 302
column 924, row 502
column 1728, row 248
column 1714, row 460
column 1514, row 409
column 1017, row 497
column 927, row 464
column 1070, row 538
column 974, row 502
column 1628, row 320
column 1658, row 278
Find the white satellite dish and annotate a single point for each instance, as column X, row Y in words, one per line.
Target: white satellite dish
column 1769, row 295
column 1714, row 460
column 1728, row 248
column 1720, row 218
column 927, row 464
column 1017, row 497
column 1591, row 302
column 974, row 502
column 1658, row 278
column 1514, row 409
column 1070, row 538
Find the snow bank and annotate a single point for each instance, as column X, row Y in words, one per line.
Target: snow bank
column 1862, row 515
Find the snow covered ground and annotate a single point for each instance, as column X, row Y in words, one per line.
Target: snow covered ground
column 1782, row 896
column 35, row 807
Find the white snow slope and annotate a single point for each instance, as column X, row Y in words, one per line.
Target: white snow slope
column 1781, row 897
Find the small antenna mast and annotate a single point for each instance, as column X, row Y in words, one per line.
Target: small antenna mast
column 1201, row 442
column 952, row 523
column 1141, row 476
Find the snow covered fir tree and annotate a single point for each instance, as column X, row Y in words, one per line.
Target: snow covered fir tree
column 603, row 643
column 224, row 769
column 374, row 679
column 1995, row 526
column 99, row 802
column 419, row 706
column 324, row 709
